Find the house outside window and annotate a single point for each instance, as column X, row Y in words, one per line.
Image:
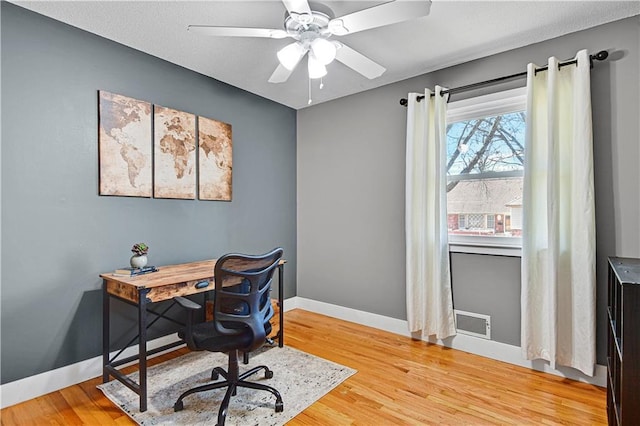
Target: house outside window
column 485, row 168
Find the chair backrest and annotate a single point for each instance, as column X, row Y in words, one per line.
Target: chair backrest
column 242, row 299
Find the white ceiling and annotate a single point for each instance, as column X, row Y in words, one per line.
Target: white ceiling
column 454, row 32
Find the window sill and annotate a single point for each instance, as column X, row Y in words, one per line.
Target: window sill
column 486, row 248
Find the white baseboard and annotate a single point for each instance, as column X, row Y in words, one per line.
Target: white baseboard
column 34, row 386
column 381, row 322
column 483, row 347
column 31, row 387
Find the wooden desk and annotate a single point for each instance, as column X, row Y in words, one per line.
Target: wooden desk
column 144, row 290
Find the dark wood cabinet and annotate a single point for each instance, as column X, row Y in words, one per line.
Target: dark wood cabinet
column 623, row 357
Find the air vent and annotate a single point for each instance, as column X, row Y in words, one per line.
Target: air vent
column 473, row 324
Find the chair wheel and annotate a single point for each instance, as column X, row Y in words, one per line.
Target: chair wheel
column 268, row 374
column 279, row 407
column 214, row 375
column 178, row 406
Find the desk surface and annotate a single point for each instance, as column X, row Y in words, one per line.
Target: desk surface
column 169, row 281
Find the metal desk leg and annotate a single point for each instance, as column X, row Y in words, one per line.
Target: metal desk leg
column 142, row 346
column 281, row 303
column 105, row 331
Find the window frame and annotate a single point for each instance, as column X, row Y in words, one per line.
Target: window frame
column 504, row 102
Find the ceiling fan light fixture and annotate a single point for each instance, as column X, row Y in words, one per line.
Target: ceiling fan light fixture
column 290, row 55
column 316, row 68
column 323, row 50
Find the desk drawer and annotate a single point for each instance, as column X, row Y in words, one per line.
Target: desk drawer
column 166, row 292
column 160, row 293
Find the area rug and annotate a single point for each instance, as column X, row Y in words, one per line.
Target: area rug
column 300, row 378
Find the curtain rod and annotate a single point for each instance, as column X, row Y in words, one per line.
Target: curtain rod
column 600, row 56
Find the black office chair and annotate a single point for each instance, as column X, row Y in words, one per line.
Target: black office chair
column 242, row 309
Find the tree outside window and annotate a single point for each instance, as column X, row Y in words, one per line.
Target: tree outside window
column 485, row 166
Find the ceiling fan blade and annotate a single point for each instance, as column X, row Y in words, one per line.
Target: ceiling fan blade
column 280, row 75
column 297, row 7
column 379, row 16
column 210, row 30
column 358, row 62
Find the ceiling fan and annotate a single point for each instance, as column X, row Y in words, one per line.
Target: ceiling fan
column 312, row 30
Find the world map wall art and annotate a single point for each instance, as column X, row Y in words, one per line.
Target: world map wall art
column 124, row 146
column 168, row 165
column 174, row 149
column 214, row 159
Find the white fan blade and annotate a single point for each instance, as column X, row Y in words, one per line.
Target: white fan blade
column 379, row 16
column 358, row 62
column 280, row 75
column 297, row 7
column 237, row 31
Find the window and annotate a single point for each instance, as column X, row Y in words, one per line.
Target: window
column 462, row 221
column 485, row 167
column 491, row 224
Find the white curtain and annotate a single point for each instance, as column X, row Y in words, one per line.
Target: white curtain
column 428, row 279
column 558, row 249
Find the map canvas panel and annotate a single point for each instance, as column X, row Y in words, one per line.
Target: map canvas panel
column 215, row 159
column 174, row 154
column 124, row 146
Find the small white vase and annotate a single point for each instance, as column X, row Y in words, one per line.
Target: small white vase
column 138, row 261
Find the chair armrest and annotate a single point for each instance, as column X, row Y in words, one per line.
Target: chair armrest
column 186, row 303
column 191, row 307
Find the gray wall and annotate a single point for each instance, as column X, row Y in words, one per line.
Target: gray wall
column 479, row 281
column 351, row 184
column 58, row 234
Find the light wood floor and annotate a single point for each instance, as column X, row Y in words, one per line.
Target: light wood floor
column 399, row 381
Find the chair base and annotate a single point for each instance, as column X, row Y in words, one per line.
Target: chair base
column 232, row 382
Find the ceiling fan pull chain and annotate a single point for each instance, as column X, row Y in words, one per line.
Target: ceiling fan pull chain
column 309, row 102
column 321, row 83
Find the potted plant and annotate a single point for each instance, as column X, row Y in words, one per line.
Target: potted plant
column 139, row 258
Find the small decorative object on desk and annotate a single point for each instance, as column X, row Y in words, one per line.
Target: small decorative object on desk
column 132, row 272
column 139, row 258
